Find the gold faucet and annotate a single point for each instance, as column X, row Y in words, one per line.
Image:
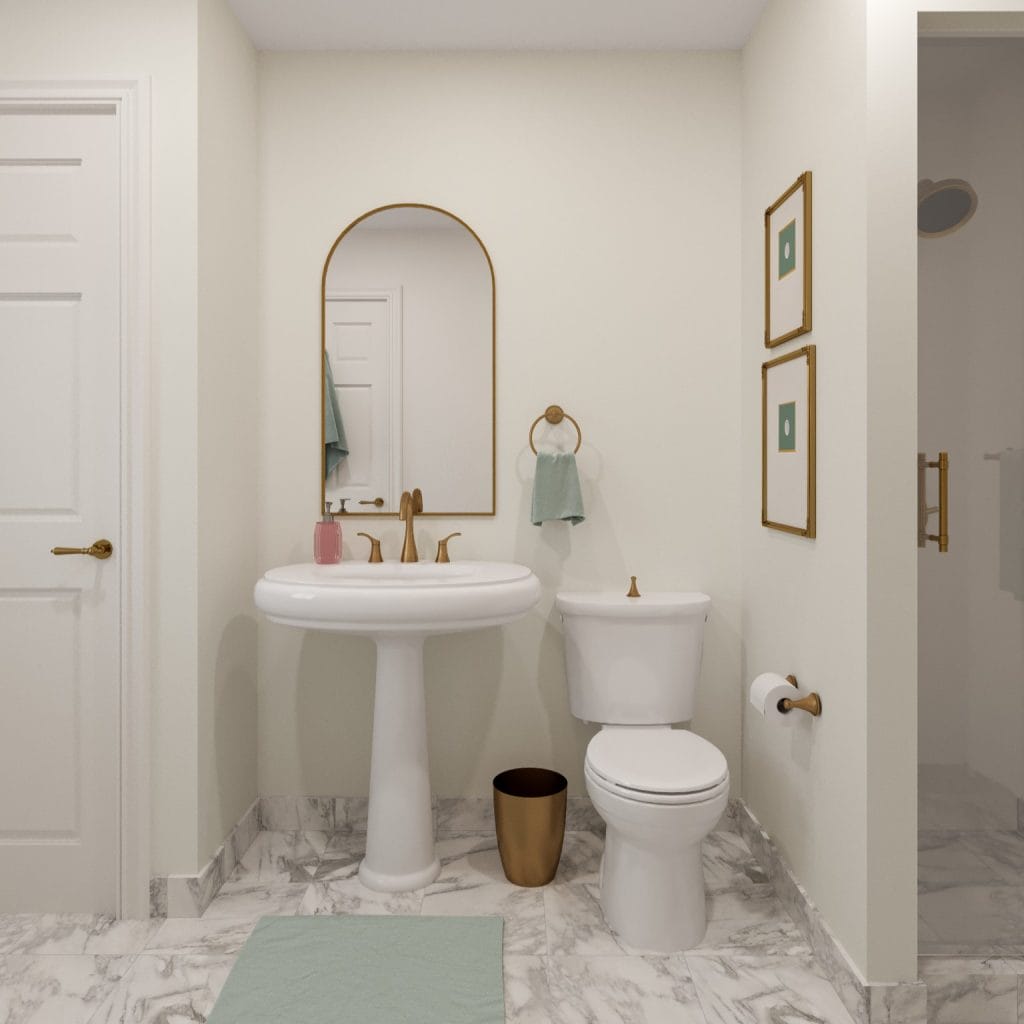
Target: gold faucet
column 410, row 505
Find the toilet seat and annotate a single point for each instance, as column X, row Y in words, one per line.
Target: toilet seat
column 657, row 766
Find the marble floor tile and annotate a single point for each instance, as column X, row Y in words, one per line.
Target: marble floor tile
column 350, row 896
column 57, row 988
column 341, row 857
column 754, row 919
column 575, row 922
column 1001, row 851
column 946, row 858
column 729, row 864
column 201, row 936
column 737, row 989
column 451, row 850
column 954, row 797
column 166, row 990
column 959, row 997
column 468, row 860
column 72, row 933
column 281, row 857
column 581, row 857
column 254, row 901
column 612, row 989
column 988, row 917
column 562, row 963
column 522, row 910
column 528, row 998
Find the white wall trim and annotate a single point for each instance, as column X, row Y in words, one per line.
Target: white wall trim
column 131, row 102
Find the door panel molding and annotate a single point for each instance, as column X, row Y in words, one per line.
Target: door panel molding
column 129, row 101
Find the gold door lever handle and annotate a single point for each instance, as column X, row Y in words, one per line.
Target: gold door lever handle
column 378, row 502
column 98, row 549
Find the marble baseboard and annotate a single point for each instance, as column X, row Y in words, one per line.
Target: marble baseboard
column 190, row 895
column 903, row 1003
column 452, row 815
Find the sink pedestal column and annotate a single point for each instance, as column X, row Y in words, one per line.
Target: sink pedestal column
column 400, row 827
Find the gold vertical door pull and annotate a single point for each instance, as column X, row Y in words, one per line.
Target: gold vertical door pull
column 98, row 549
column 924, row 510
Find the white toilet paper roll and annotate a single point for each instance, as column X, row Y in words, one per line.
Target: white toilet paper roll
column 765, row 693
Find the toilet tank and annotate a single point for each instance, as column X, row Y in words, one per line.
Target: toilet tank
column 633, row 660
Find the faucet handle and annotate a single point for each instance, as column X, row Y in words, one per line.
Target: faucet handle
column 375, row 555
column 442, row 547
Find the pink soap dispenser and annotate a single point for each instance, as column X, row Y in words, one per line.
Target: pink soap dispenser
column 327, row 538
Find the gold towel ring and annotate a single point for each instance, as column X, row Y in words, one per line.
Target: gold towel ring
column 555, row 414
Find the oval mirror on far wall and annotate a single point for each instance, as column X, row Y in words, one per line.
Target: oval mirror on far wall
column 407, row 386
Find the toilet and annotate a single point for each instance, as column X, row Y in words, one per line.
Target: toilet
column 632, row 665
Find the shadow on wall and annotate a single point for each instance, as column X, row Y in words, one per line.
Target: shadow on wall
column 334, row 707
column 463, row 674
column 235, row 719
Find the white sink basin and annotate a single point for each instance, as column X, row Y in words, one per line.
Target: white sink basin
column 399, row 605
column 392, row 597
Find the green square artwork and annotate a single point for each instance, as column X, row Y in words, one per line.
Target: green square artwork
column 787, row 249
column 787, row 426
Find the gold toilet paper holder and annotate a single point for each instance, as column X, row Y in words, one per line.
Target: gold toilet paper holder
column 811, row 703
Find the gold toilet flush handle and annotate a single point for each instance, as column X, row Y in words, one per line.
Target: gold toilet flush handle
column 98, row 549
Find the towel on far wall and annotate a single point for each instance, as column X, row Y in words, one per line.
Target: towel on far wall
column 1011, row 522
column 556, row 489
column 335, row 444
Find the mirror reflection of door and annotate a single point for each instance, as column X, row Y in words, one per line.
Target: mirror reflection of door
column 363, row 341
column 409, row 339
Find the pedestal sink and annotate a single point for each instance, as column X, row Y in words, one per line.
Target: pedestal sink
column 398, row 605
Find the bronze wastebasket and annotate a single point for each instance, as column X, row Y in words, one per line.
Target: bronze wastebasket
column 529, row 817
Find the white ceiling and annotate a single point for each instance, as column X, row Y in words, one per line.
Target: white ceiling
column 498, row 24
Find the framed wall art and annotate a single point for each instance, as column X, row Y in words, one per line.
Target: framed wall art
column 788, row 400
column 787, row 264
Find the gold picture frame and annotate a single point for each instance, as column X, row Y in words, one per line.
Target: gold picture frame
column 787, row 264
column 789, row 481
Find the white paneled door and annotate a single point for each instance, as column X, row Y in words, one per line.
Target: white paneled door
column 60, row 459
column 362, row 334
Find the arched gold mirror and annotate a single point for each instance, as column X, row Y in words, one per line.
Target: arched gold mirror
column 408, row 380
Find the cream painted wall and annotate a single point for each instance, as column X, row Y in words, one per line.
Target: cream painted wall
column 809, row 606
column 228, row 412
column 606, row 190
column 110, row 39
column 971, row 373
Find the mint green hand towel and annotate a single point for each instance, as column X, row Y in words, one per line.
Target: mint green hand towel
column 335, row 444
column 556, row 489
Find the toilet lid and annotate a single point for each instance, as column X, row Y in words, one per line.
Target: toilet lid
column 657, row 760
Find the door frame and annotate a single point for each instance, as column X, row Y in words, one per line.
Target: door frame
column 130, row 100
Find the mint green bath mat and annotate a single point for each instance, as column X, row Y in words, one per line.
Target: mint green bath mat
column 367, row 970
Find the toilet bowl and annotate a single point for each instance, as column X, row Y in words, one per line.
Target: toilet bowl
column 632, row 665
column 652, row 880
